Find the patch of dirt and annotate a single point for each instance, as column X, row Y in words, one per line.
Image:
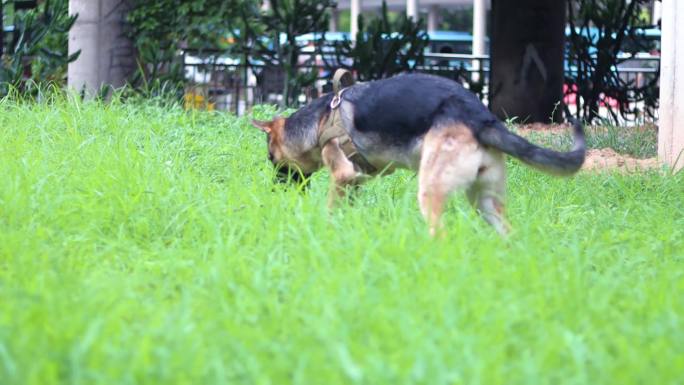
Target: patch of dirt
column 607, row 158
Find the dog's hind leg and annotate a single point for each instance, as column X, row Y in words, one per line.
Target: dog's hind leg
column 488, row 192
column 342, row 172
column 450, row 159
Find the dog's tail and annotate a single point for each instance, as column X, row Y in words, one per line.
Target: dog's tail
column 555, row 162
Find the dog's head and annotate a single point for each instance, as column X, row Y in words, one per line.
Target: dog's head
column 292, row 161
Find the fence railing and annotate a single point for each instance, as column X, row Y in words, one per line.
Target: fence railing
column 222, row 83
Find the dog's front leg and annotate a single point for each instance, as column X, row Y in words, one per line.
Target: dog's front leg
column 342, row 172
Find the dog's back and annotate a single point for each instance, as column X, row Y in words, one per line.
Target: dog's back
column 403, row 108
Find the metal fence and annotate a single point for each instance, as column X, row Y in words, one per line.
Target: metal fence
column 640, row 70
column 220, row 83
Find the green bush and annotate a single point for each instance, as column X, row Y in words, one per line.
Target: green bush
column 40, row 52
column 269, row 36
column 599, row 32
column 383, row 48
column 161, row 28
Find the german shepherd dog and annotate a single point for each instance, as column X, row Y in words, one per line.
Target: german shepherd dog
column 425, row 123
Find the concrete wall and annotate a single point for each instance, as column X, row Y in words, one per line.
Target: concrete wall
column 107, row 55
column 671, row 119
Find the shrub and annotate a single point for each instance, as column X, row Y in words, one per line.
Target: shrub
column 39, row 54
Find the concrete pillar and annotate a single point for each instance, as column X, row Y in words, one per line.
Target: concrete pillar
column 479, row 26
column 355, row 11
column 433, row 18
column 412, row 9
column 479, row 33
column 657, row 12
column 107, row 55
column 671, row 122
column 334, row 19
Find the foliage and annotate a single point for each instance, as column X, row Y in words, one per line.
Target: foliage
column 39, row 53
column 460, row 19
column 160, row 29
column 146, row 245
column 240, row 28
column 382, row 48
column 2, row 29
column 603, row 35
column 282, row 22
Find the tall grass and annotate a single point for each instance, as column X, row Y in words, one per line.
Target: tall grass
column 636, row 141
column 142, row 244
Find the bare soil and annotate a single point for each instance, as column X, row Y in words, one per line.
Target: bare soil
column 607, row 158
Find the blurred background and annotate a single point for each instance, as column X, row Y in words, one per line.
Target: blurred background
column 601, row 57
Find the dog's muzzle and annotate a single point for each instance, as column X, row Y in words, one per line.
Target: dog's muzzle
column 291, row 175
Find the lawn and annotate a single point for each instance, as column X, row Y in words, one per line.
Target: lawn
column 141, row 244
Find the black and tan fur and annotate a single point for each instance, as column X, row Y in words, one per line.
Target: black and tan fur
column 420, row 122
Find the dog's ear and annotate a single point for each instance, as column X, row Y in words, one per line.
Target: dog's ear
column 265, row 126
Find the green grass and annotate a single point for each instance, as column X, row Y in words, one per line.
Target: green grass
column 636, row 141
column 146, row 245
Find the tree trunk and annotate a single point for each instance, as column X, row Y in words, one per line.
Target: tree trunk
column 527, row 53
